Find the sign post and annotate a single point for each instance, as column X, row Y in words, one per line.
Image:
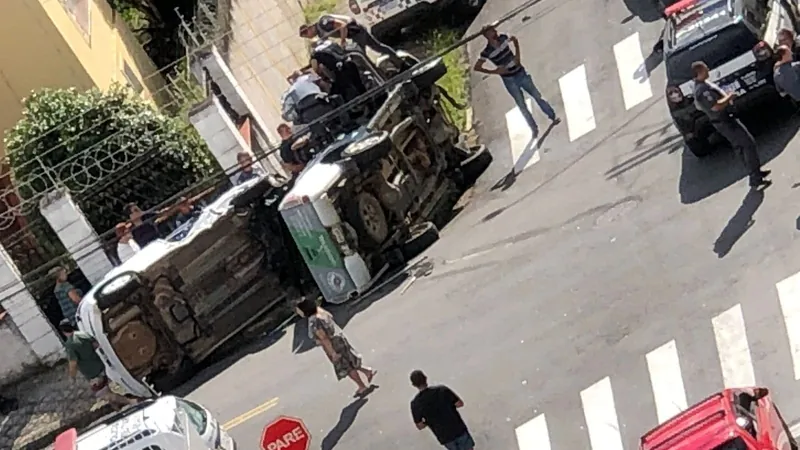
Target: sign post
column 286, row 433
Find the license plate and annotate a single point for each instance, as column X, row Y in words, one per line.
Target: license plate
column 733, row 87
column 388, row 6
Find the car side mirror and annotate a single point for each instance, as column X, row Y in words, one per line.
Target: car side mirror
column 760, row 393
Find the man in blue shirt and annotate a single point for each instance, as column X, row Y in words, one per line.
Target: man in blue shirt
column 515, row 78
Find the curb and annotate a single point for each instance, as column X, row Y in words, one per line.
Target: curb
column 82, row 421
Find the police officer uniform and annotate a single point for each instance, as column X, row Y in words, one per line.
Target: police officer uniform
column 326, row 26
column 706, row 95
column 343, row 74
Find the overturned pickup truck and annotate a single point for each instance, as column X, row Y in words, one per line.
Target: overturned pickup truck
column 178, row 299
column 375, row 193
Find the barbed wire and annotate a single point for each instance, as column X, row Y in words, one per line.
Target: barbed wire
column 95, row 155
column 390, row 84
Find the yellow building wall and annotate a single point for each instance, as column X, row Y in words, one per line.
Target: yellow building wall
column 41, row 46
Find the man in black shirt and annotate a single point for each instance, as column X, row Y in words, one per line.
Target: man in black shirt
column 345, row 27
column 716, row 104
column 144, row 229
column 329, row 60
column 294, row 151
column 436, row 407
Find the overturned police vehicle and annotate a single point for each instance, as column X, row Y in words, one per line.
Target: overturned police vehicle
column 178, row 299
column 380, row 185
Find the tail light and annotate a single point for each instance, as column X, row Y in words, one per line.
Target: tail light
column 762, row 51
column 674, row 94
column 354, row 7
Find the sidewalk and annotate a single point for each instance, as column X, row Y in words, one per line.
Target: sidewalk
column 49, row 403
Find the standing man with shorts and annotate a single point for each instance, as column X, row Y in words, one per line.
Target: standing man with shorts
column 716, row 104
column 436, row 407
column 344, row 27
column 83, row 358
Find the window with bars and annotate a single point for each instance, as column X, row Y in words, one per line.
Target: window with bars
column 131, row 78
column 80, row 12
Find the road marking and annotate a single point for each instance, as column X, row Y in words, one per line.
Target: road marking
column 665, row 376
column 533, row 434
column 632, row 74
column 236, row 421
column 577, row 102
column 734, row 351
column 523, row 147
column 789, row 296
column 601, row 416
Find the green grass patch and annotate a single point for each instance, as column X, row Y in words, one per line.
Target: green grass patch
column 455, row 82
column 314, row 9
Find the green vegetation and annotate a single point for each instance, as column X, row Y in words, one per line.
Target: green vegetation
column 107, row 148
column 314, row 9
column 455, row 82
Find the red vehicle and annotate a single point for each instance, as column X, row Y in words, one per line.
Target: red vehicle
column 734, row 419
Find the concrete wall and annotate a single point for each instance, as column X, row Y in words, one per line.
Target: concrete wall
column 15, row 354
column 263, row 50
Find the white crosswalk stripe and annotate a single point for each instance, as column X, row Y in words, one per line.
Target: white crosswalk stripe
column 523, row 146
column 734, row 351
column 577, row 102
column 533, row 434
column 789, row 296
column 601, row 416
column 667, row 381
column 599, row 401
column 633, row 77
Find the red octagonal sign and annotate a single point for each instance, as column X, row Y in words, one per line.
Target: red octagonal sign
column 286, row 433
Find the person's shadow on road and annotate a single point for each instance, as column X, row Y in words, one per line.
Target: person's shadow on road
column 645, row 10
column 346, row 419
column 741, row 221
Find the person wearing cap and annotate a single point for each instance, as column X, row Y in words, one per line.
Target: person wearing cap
column 344, row 27
column 68, row 296
column 716, row 104
column 81, row 349
column 516, row 79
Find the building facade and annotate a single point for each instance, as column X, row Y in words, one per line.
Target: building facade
column 53, row 44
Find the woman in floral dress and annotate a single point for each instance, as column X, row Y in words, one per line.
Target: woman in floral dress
column 324, row 331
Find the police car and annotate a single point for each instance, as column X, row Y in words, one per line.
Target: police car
column 735, row 38
column 161, row 424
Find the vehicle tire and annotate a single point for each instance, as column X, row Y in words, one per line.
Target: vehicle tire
column 367, row 216
column 421, row 237
column 699, row 147
column 475, row 165
column 118, row 289
column 427, row 75
column 372, row 148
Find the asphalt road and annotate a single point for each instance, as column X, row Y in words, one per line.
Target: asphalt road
column 577, row 277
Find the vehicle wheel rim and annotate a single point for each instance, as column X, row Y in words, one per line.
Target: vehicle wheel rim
column 372, row 219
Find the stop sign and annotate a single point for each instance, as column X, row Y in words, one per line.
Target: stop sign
column 285, row 433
